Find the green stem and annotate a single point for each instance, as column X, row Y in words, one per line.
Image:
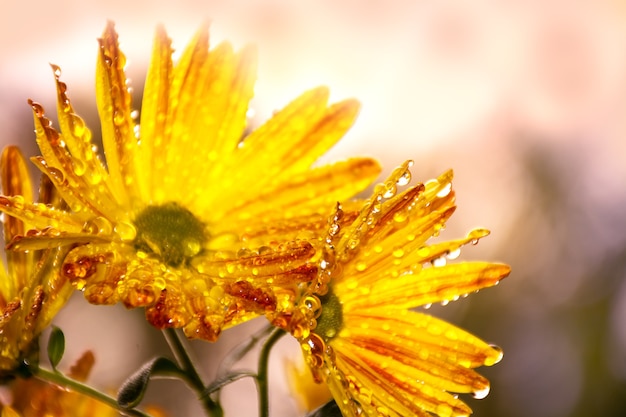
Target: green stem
column 73, row 385
column 180, row 348
column 262, row 375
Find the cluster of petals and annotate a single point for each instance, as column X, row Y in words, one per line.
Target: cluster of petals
column 357, row 325
column 205, row 224
column 32, row 289
column 202, row 223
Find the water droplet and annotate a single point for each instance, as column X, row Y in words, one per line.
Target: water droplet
column 481, row 393
column 454, row 254
column 404, row 179
column 427, row 306
column 126, row 231
column 445, row 190
column 56, row 174
column 439, row 262
column 79, row 166
column 398, row 252
column 390, row 190
column 445, row 302
column 477, row 234
column 400, row 216
column 77, row 125
column 56, row 70
column 496, row 356
column 118, row 118
column 361, row 266
column 99, row 225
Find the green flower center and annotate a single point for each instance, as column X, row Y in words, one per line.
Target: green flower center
column 170, row 232
column 330, row 321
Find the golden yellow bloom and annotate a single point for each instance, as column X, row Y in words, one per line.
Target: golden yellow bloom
column 191, row 218
column 32, row 290
column 356, row 324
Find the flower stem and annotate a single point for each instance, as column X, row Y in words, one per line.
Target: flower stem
column 180, row 348
column 61, row 380
column 262, row 375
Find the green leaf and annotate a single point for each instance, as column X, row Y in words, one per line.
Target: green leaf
column 133, row 389
column 56, row 346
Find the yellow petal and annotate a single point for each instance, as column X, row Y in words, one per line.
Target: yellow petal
column 154, row 110
column 15, row 182
column 114, row 109
column 429, row 285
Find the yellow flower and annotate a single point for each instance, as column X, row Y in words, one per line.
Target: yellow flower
column 192, row 218
column 356, row 325
column 32, row 290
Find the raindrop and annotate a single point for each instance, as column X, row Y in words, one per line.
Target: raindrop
column 481, row 393
column 118, row 118
column 445, row 190
column 126, row 231
column 498, row 354
column 390, row 190
column 79, row 166
column 98, row 225
column 439, row 262
column 454, row 254
column 427, row 306
column 404, row 179
column 56, row 70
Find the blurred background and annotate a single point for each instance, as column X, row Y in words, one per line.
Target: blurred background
column 524, row 99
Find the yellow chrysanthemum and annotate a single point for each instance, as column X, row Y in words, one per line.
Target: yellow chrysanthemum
column 34, row 398
column 356, row 324
column 32, row 290
column 190, row 218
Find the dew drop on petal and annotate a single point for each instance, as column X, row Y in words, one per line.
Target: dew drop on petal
column 390, row 190
column 56, row 70
column 404, row 179
column 497, row 356
column 98, row 225
column 79, row 167
column 439, row 262
column 454, row 254
column 445, row 190
column 482, row 393
column 126, row 231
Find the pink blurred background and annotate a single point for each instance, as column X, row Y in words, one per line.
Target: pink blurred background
column 524, row 99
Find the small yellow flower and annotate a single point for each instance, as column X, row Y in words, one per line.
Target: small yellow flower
column 193, row 218
column 357, row 326
column 32, row 289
